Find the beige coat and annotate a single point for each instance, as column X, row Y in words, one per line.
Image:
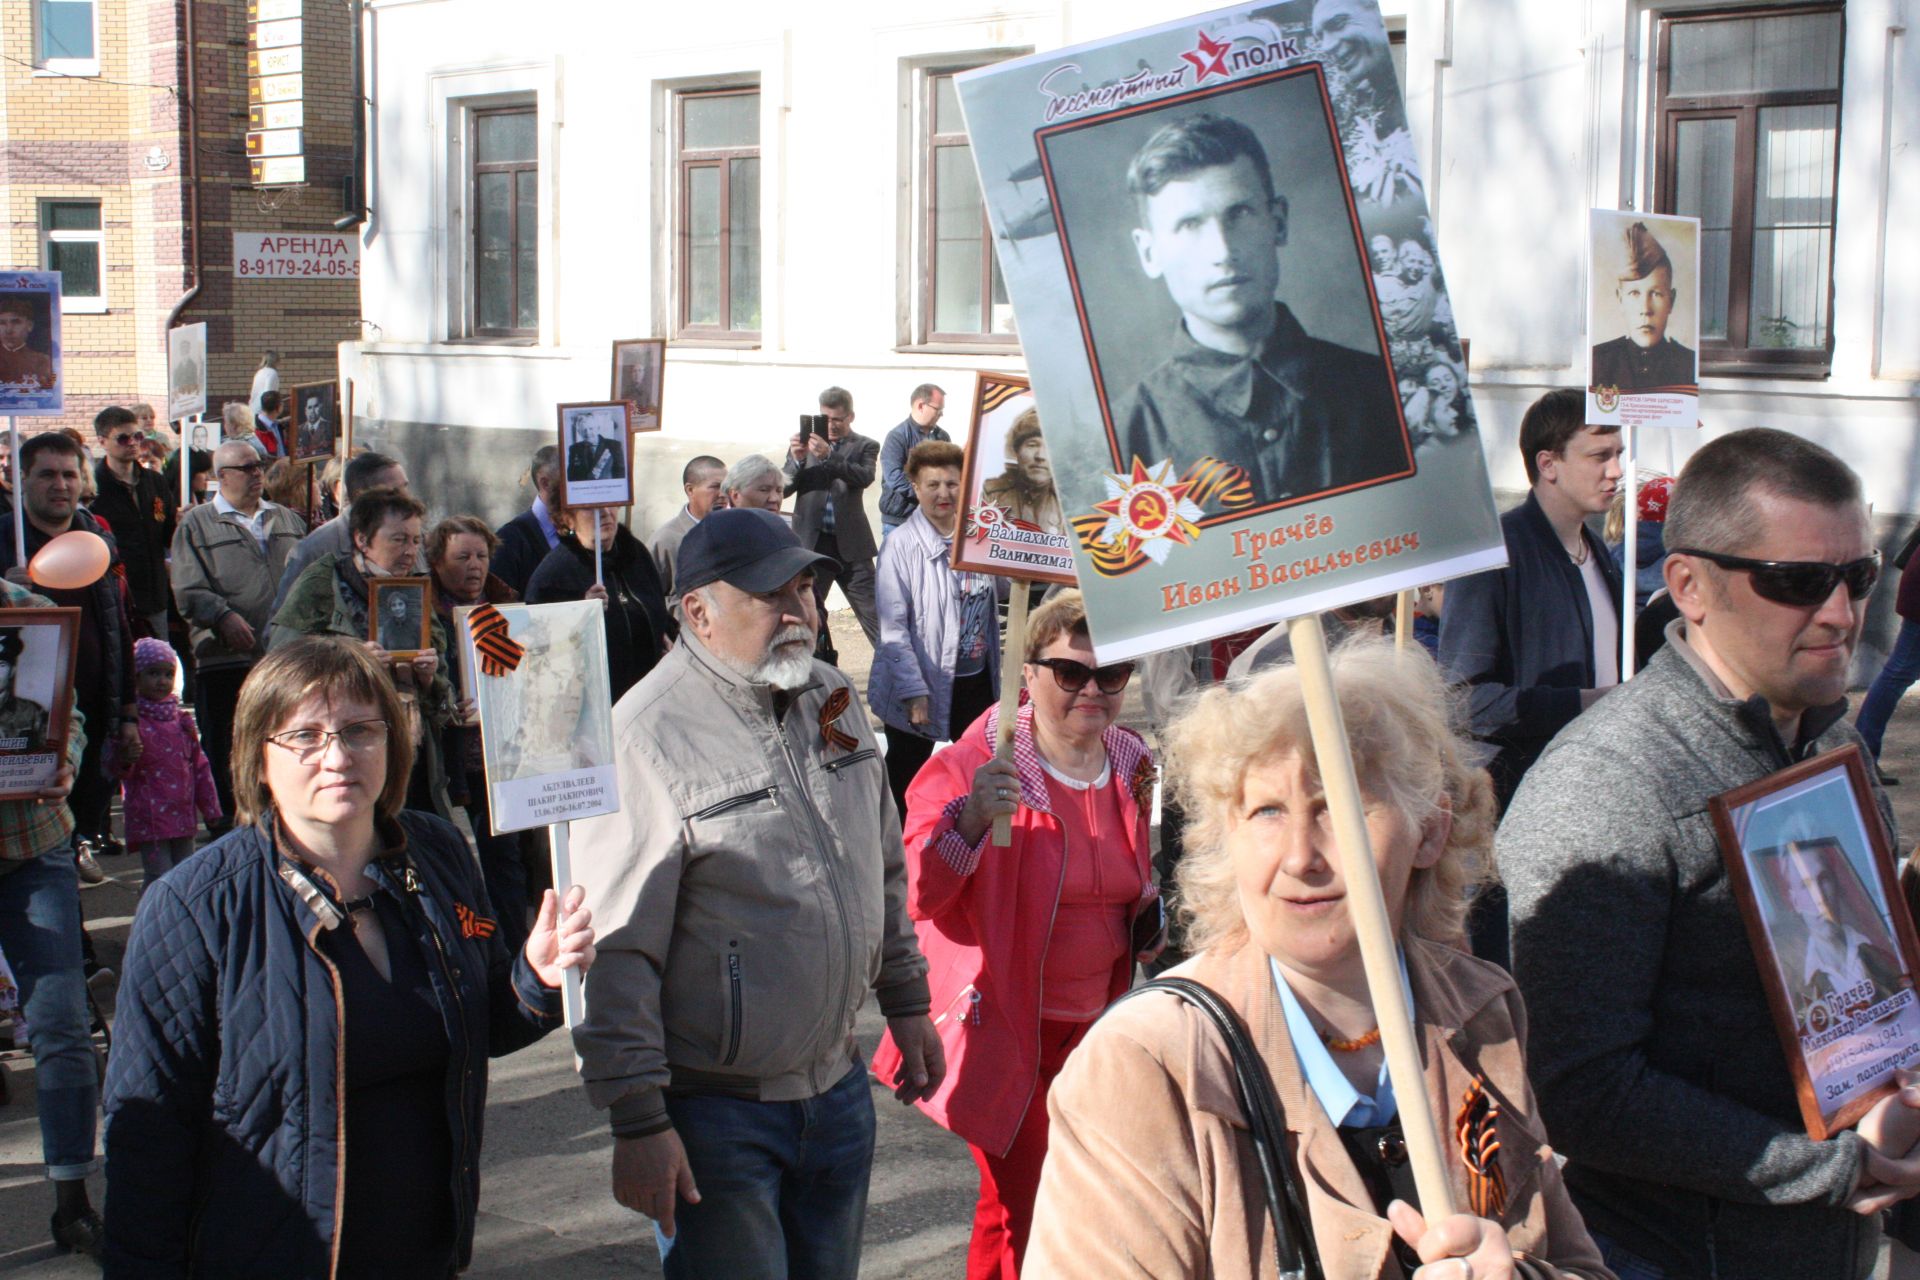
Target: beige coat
column 1168, row 1185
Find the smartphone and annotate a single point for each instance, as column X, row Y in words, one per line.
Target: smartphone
column 806, row 426
column 820, row 425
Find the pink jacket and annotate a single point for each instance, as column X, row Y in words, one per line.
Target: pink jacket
column 984, row 916
column 162, row 790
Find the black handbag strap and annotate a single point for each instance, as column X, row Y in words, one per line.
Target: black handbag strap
column 1293, row 1247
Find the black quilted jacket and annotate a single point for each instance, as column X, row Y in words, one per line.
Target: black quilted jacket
column 225, row 1130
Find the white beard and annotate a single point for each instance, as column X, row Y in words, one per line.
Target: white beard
column 788, row 666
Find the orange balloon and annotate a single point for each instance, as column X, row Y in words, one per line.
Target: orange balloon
column 73, row 560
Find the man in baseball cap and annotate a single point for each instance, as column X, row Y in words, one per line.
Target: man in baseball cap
column 754, row 890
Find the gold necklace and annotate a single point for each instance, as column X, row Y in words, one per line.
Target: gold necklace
column 1579, row 557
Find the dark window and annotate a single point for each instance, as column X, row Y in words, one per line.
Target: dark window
column 717, row 249
column 70, row 244
column 963, row 298
column 1749, row 121
column 506, row 223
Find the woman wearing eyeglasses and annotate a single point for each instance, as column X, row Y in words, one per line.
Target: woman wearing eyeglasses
column 1027, row 945
column 308, row 1005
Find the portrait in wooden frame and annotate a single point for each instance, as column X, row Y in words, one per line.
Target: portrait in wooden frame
column 639, row 376
column 400, row 615
column 313, row 426
column 1811, row 866
column 1010, row 521
column 38, row 648
column 596, row 454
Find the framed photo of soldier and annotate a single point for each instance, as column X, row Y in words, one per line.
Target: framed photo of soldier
column 37, row 652
column 596, row 451
column 399, row 615
column 639, row 369
column 186, row 371
column 316, row 421
column 30, row 343
column 1808, row 857
column 1011, row 522
column 544, row 699
column 1643, row 319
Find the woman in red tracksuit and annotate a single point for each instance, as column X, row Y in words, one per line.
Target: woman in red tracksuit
column 1027, row 945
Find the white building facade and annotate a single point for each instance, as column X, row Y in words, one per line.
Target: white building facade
column 784, row 194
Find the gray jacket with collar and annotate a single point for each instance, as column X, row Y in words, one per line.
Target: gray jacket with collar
column 1660, row 1074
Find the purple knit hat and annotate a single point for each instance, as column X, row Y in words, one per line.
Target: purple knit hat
column 148, row 652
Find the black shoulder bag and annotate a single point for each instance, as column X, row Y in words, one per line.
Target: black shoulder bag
column 1293, row 1246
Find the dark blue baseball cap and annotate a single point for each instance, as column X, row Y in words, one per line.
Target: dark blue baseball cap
column 745, row 547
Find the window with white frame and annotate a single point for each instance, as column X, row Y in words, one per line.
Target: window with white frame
column 962, row 297
column 71, row 242
column 65, row 36
column 1749, row 131
column 503, row 207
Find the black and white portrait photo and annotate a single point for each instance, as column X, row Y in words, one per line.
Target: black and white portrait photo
column 1208, row 337
column 639, row 365
column 595, row 441
column 37, row 648
column 398, row 614
column 186, row 371
column 316, row 418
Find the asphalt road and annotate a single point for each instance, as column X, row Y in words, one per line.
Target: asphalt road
column 545, row 1206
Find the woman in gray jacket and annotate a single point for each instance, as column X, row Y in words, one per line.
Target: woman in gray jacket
column 937, row 669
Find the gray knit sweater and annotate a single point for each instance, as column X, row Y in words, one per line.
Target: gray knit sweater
column 1660, row 1075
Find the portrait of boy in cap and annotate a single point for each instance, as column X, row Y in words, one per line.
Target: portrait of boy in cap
column 20, row 363
column 1644, row 358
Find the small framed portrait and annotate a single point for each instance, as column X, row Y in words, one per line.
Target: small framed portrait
column 1808, row 856
column 186, row 371
column 37, row 649
column 316, row 421
column 639, row 368
column 1010, row 519
column 399, row 615
column 540, row 682
column 30, row 343
column 1643, row 319
column 597, row 445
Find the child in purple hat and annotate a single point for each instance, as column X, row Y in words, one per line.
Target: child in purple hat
column 163, row 789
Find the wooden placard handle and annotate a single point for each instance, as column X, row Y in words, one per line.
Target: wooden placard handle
column 572, row 995
column 1403, row 620
column 1012, row 651
column 1378, row 952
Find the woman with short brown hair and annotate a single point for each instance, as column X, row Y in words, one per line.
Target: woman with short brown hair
column 308, row 1004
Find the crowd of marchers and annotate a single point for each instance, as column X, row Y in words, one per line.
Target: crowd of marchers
column 323, row 959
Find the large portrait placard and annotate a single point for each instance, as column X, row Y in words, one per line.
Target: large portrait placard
column 38, row 648
column 316, row 421
column 1643, row 319
column 639, row 370
column 1808, row 858
column 545, row 703
column 186, row 371
column 1011, row 521
column 30, row 382
column 596, row 454
column 1215, row 237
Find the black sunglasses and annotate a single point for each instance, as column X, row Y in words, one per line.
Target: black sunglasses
column 1073, row 676
column 124, row 437
column 1800, row 583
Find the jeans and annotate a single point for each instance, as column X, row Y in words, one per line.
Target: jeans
column 216, row 696
column 1902, row 669
column 40, row 932
column 783, row 1185
column 1626, row 1265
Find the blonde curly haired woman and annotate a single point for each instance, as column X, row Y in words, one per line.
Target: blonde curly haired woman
column 1168, row 1184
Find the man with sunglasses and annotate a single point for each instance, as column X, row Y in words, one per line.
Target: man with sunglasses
column 1659, row 1069
column 228, row 556
column 136, row 504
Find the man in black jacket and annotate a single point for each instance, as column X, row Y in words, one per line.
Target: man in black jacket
column 1538, row 642
column 135, row 504
column 639, row 626
column 831, row 477
column 526, row 539
column 50, row 470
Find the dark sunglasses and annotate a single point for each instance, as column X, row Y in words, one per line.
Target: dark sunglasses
column 124, row 437
column 1073, row 676
column 1800, row 583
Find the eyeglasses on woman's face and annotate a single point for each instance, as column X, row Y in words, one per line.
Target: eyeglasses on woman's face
column 309, row 745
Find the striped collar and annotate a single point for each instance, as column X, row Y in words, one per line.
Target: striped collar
column 1127, row 755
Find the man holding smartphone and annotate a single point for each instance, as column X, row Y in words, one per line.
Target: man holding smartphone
column 830, row 474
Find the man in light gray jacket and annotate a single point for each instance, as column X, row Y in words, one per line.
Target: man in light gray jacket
column 752, row 890
column 227, row 557
column 1660, row 1074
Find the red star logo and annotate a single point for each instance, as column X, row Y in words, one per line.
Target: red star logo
column 1210, row 59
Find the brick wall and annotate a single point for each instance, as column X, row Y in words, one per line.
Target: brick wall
column 120, row 137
